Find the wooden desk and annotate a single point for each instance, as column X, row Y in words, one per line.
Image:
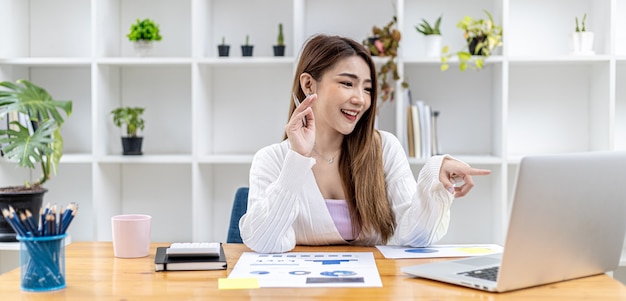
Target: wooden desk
column 94, row 274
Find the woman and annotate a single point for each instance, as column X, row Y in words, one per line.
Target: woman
column 335, row 179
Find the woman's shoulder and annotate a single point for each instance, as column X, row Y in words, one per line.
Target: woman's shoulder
column 392, row 148
column 388, row 139
column 279, row 149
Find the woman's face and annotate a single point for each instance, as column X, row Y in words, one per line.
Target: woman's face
column 343, row 95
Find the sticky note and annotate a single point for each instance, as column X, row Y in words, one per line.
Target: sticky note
column 476, row 250
column 237, row 283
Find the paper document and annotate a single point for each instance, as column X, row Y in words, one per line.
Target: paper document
column 309, row 269
column 433, row 251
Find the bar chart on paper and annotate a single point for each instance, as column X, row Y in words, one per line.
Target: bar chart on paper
column 303, row 269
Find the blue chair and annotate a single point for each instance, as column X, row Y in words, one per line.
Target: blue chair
column 239, row 208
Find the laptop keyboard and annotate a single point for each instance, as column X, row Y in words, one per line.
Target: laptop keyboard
column 487, row 274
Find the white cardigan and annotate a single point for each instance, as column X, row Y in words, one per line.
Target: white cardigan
column 285, row 206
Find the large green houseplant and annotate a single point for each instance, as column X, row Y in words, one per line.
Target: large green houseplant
column 483, row 36
column 132, row 119
column 32, row 137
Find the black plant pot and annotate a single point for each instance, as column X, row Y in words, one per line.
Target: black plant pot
column 279, row 50
column 472, row 43
column 20, row 201
column 223, row 50
column 246, row 50
column 132, row 146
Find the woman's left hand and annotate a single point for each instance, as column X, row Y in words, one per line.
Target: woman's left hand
column 454, row 171
column 301, row 134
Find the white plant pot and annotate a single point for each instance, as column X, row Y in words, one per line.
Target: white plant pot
column 581, row 43
column 432, row 45
column 143, row 48
column 586, row 42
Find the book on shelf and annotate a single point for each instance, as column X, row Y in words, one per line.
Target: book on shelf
column 409, row 132
column 414, row 140
column 163, row 262
column 425, row 113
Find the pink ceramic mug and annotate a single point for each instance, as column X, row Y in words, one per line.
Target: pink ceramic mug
column 131, row 235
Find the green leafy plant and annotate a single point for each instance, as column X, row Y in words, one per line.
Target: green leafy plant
column 37, row 137
column 281, row 37
column 582, row 28
column 482, row 36
column 426, row 29
column 247, row 40
column 145, row 29
column 223, row 41
column 131, row 117
column 384, row 43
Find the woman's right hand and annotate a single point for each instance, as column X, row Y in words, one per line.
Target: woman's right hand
column 302, row 137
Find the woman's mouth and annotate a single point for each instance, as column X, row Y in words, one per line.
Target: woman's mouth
column 351, row 115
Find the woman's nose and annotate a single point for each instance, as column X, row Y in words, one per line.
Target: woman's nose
column 359, row 98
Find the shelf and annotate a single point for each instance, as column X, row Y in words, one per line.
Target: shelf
column 143, row 61
column 453, row 61
column 53, row 61
column 147, row 159
column 247, row 61
column 565, row 59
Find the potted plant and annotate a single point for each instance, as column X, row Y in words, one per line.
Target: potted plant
column 432, row 37
column 33, row 136
column 384, row 42
column 222, row 48
column 246, row 49
column 581, row 40
column 143, row 33
column 131, row 118
column 279, row 48
column 482, row 37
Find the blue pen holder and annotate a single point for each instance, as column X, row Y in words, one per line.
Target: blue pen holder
column 42, row 263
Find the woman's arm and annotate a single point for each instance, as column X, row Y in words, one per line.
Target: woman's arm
column 276, row 177
column 422, row 208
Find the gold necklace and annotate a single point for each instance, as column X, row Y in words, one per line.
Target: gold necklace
column 331, row 160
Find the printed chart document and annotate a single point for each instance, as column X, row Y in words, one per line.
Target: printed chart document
column 309, row 269
column 395, row 252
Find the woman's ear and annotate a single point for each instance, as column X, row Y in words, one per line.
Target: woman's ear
column 307, row 83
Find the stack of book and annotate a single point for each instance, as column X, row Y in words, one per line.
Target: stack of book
column 190, row 257
column 421, row 121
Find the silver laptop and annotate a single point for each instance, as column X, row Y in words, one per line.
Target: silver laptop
column 568, row 220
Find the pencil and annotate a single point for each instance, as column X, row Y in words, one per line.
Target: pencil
column 17, row 227
column 27, row 225
column 30, row 220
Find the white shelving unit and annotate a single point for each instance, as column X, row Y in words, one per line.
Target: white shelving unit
column 206, row 116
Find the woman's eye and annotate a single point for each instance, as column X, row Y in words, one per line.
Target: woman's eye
column 349, row 84
column 368, row 90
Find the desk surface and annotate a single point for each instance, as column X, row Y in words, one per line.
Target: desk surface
column 93, row 273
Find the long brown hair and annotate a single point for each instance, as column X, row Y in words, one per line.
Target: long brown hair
column 360, row 164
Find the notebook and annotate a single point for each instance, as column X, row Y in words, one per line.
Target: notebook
column 566, row 221
column 163, row 262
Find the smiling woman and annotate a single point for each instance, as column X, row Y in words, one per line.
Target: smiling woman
column 293, row 200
